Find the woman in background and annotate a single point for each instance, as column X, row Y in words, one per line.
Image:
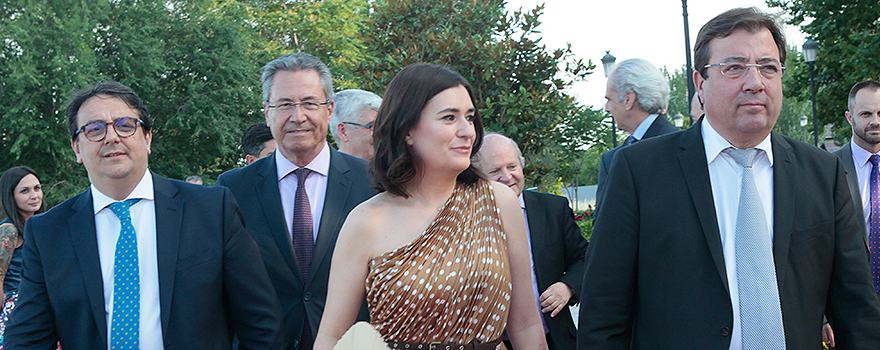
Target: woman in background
column 440, row 252
column 22, row 198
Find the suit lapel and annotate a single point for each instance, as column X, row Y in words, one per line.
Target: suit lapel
column 783, row 202
column 169, row 216
column 692, row 159
column 536, row 217
column 266, row 189
column 84, row 239
column 333, row 214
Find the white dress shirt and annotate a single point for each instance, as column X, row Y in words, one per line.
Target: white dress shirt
column 725, row 177
column 107, row 225
column 639, row 133
column 863, row 172
column 316, row 186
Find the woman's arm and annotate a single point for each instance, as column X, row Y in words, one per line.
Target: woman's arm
column 8, row 241
column 346, row 286
column 523, row 323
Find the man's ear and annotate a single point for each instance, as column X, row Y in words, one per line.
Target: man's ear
column 340, row 131
column 75, row 147
column 629, row 100
column 849, row 117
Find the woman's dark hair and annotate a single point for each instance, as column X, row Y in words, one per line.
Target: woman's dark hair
column 8, row 182
column 392, row 166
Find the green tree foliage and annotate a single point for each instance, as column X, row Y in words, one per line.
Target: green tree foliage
column 848, row 33
column 519, row 83
column 189, row 63
column 328, row 29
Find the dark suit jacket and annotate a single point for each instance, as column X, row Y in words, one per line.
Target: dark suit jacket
column 558, row 249
column 660, row 126
column 852, row 177
column 655, row 271
column 212, row 281
column 256, row 189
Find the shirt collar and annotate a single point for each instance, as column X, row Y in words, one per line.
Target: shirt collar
column 522, row 203
column 715, row 144
column 143, row 190
column 860, row 155
column 639, row 133
column 320, row 165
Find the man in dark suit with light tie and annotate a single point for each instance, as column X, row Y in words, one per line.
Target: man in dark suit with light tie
column 295, row 200
column 138, row 261
column 637, row 94
column 726, row 235
column 556, row 245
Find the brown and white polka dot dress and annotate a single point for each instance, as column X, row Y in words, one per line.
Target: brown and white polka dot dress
column 452, row 283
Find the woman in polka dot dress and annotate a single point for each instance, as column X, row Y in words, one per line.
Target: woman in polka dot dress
column 440, row 253
column 21, row 198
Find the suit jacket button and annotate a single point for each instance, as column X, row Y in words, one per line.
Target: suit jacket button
column 725, row 331
column 296, row 343
column 307, row 296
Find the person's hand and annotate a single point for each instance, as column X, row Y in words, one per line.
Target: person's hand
column 828, row 335
column 555, row 298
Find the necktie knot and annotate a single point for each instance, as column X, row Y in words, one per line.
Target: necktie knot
column 121, row 208
column 301, row 175
column 874, row 159
column 744, row 157
column 630, row 140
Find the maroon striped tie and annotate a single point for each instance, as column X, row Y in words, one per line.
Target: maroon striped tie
column 303, row 243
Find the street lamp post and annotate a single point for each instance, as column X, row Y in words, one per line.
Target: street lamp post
column 803, row 122
column 678, row 120
column 608, row 66
column 810, row 50
column 687, row 52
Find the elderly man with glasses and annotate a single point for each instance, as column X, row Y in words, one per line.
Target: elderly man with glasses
column 727, row 235
column 138, row 261
column 352, row 123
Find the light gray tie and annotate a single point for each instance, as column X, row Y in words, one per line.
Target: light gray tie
column 759, row 309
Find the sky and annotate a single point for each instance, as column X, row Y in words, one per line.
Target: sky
column 648, row 29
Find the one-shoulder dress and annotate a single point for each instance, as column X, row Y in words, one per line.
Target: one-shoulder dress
column 451, row 284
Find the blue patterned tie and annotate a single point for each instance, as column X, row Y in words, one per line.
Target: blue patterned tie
column 126, row 282
column 874, row 230
column 759, row 308
column 630, row 140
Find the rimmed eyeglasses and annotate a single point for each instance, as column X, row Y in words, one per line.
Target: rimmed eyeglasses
column 97, row 131
column 290, row 106
column 735, row 70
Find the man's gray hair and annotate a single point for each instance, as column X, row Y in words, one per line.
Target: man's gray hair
column 643, row 78
column 349, row 104
column 488, row 135
column 295, row 62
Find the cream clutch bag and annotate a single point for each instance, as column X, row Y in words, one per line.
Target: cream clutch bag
column 361, row 336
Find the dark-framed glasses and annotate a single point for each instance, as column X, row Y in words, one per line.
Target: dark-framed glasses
column 97, row 131
column 365, row 126
column 290, row 106
column 735, row 70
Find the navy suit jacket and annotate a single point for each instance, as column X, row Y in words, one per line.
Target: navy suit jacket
column 660, row 126
column 212, row 281
column 655, row 273
column 852, row 177
column 558, row 250
column 256, row 189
